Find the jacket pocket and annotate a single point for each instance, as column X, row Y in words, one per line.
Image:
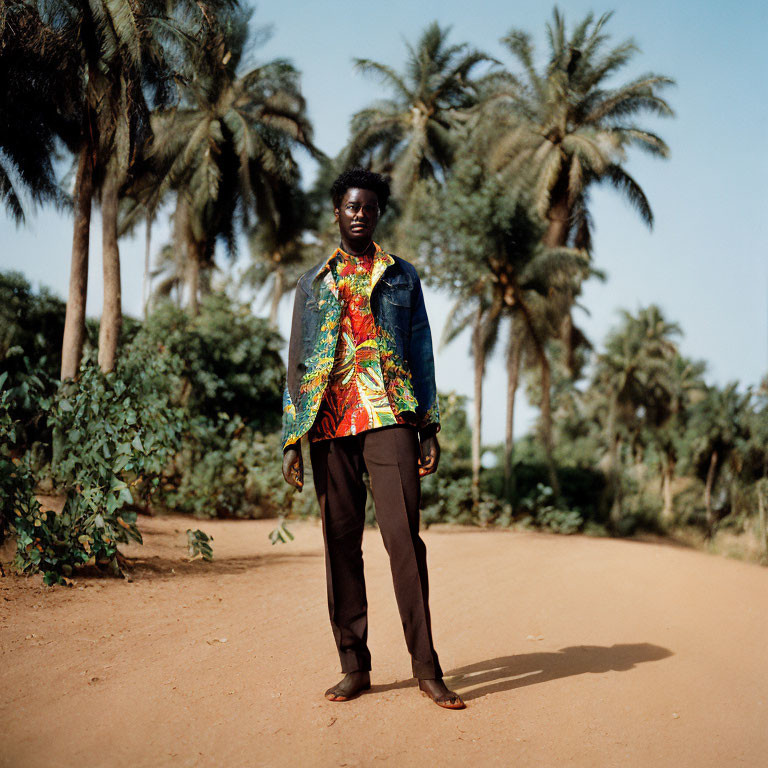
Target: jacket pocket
column 396, row 290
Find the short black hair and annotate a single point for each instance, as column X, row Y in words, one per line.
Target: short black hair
column 360, row 178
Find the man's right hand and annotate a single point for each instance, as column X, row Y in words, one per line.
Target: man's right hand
column 293, row 467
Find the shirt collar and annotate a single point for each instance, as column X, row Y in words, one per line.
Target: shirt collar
column 379, row 257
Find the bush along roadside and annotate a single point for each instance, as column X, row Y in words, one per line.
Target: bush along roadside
column 17, row 482
column 113, row 434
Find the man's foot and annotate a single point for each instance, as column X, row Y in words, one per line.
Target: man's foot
column 439, row 693
column 352, row 685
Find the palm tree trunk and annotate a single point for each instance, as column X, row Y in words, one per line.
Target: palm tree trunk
column 546, row 394
column 111, row 316
column 546, row 420
column 566, row 337
column 708, row 493
column 514, row 354
column 478, row 356
column 184, row 244
column 145, row 283
column 556, row 236
column 276, row 296
column 667, row 473
column 74, row 322
column 558, row 215
column 615, row 485
column 613, row 475
column 193, row 278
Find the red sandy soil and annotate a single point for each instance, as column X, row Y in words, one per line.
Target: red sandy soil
column 568, row 651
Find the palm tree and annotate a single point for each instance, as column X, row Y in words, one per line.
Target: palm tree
column 227, row 146
column 112, row 41
column 720, row 423
column 411, row 134
column 170, row 268
column 483, row 244
column 278, row 246
column 563, row 129
column 667, row 417
column 478, row 307
column 514, row 358
column 35, row 101
column 633, row 373
column 116, row 68
column 121, row 52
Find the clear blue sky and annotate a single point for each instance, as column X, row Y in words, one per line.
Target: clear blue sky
column 706, row 260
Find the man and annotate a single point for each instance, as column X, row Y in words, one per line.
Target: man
column 361, row 386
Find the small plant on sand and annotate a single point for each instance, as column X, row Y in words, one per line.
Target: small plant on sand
column 199, row 544
column 281, row 534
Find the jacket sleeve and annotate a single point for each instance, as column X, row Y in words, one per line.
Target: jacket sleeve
column 421, row 363
column 293, row 373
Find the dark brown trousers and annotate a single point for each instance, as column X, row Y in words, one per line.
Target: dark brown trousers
column 390, row 455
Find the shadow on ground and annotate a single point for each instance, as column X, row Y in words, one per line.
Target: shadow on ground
column 159, row 567
column 505, row 673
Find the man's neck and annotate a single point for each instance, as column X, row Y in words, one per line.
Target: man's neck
column 356, row 249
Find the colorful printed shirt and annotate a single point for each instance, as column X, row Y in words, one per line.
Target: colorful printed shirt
column 355, row 398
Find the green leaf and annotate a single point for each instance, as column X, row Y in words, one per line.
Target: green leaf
column 119, row 465
column 125, row 496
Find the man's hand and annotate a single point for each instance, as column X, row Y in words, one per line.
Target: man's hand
column 293, row 467
column 430, row 456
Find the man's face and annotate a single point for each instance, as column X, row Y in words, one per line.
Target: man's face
column 358, row 215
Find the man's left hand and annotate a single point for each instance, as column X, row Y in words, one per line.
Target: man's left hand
column 430, row 456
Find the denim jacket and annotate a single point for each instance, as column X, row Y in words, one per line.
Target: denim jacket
column 403, row 337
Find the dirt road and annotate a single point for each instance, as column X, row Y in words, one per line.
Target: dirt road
column 568, row 651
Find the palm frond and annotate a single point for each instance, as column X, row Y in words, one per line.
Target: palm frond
column 10, row 197
column 584, row 146
column 458, row 320
column 549, row 170
column 649, row 142
column 385, row 73
column 519, row 44
column 624, row 183
column 636, row 96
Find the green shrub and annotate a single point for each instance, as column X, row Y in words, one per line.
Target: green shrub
column 448, row 499
column 546, row 512
column 32, row 322
column 447, row 494
column 112, row 433
column 16, row 477
column 225, row 469
column 580, row 487
column 231, row 360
